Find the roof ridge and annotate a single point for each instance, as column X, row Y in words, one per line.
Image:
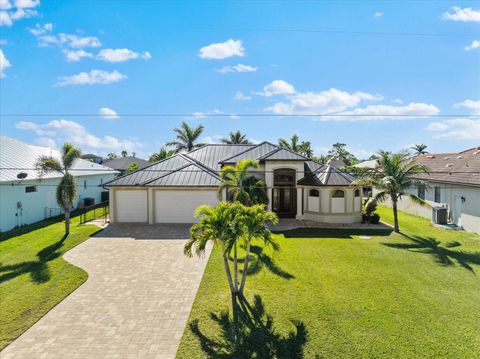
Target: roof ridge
column 241, row 153
column 292, row 151
column 166, row 174
column 269, row 153
column 200, row 165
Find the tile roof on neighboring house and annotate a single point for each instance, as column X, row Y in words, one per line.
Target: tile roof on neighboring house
column 17, row 157
column 122, row 163
column 201, row 166
column 461, row 168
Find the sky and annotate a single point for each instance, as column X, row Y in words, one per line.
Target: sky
column 111, row 75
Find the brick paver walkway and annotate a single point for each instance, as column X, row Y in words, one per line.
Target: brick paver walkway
column 134, row 305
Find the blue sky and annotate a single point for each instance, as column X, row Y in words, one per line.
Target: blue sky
column 376, row 59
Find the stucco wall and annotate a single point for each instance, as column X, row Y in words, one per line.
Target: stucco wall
column 34, row 204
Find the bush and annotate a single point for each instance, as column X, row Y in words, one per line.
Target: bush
column 370, row 207
column 374, row 218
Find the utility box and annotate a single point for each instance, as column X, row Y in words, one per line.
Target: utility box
column 440, row 215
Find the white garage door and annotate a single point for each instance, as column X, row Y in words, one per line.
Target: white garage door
column 131, row 206
column 179, row 206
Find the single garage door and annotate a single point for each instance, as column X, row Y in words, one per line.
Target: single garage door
column 131, row 206
column 179, row 206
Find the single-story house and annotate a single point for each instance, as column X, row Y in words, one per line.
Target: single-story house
column 170, row 190
column 124, row 163
column 26, row 198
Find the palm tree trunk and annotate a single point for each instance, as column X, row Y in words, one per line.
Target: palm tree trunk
column 67, row 220
column 227, row 271
column 245, row 268
column 395, row 216
column 235, row 266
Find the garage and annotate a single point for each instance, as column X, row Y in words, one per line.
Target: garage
column 179, row 206
column 131, row 206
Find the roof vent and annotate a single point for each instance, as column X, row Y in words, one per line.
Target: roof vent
column 459, row 157
column 448, row 165
column 447, row 158
column 430, row 156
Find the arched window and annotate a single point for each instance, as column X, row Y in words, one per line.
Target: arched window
column 338, row 194
column 314, row 193
column 357, row 193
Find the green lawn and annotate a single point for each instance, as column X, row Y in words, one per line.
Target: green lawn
column 34, row 277
column 332, row 294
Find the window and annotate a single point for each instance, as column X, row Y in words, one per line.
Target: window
column 357, row 193
column 338, row 194
column 314, row 193
column 421, row 192
column 30, row 189
column 85, row 184
column 438, row 198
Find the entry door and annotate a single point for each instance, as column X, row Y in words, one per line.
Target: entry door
column 457, row 211
column 284, row 202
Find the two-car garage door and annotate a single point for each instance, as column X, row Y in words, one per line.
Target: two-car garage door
column 168, row 206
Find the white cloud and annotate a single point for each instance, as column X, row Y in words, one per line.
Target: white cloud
column 45, row 142
column 466, row 14
column 91, row 78
column 39, row 30
column 329, row 101
column 76, row 55
column 237, row 68
column 11, row 11
column 108, row 113
column 45, row 37
column 121, row 55
column 472, row 105
column 378, row 14
column 474, row 45
column 241, row 97
column 210, row 140
column 456, row 129
column 222, row 50
column 73, row 132
column 277, row 87
column 4, row 63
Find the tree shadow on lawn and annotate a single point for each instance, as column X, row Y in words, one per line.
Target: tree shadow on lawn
column 443, row 255
column 334, row 233
column 38, row 269
column 258, row 260
column 250, row 333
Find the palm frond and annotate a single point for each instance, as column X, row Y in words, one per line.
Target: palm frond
column 48, row 164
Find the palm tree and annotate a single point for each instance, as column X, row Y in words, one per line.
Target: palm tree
column 392, row 176
column 67, row 188
column 221, row 225
column 124, row 153
column 186, row 137
column 294, row 144
column 241, row 184
column 161, row 154
column 306, row 149
column 420, row 149
column 255, row 220
column 236, row 138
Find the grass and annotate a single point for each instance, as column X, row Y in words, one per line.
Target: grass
column 344, row 294
column 34, row 277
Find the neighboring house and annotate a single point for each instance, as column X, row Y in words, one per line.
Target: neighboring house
column 26, row 198
column 170, row 190
column 121, row 164
column 92, row 158
column 453, row 182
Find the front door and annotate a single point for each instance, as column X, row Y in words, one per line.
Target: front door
column 283, row 199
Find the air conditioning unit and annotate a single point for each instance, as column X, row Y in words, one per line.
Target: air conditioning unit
column 440, row 215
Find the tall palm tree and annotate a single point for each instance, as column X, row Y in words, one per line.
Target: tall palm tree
column 420, row 149
column 294, row 144
column 236, row 138
column 392, row 176
column 241, row 184
column 67, row 188
column 161, row 154
column 255, row 220
column 124, row 153
column 221, row 225
column 186, row 137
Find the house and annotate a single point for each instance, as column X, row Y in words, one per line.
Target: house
column 170, row 190
column 25, row 197
column 125, row 163
column 92, row 158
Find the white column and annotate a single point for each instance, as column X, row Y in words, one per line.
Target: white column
column 299, row 204
column 111, row 203
column 150, row 199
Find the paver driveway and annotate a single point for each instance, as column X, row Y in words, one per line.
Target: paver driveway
column 134, row 304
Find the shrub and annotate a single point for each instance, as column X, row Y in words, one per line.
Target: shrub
column 374, row 218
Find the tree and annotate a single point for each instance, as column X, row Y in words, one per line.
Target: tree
column 186, row 137
column 229, row 225
column 241, row 184
column 322, row 159
column 133, row 167
column 420, row 149
column 161, row 154
column 124, row 153
column 294, row 144
column 339, row 152
column 236, row 138
column 111, row 156
column 392, row 176
column 67, row 188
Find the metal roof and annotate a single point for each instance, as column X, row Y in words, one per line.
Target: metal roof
column 212, row 155
column 328, row 175
column 122, row 163
column 255, row 152
column 17, row 156
column 282, row 154
column 188, row 176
